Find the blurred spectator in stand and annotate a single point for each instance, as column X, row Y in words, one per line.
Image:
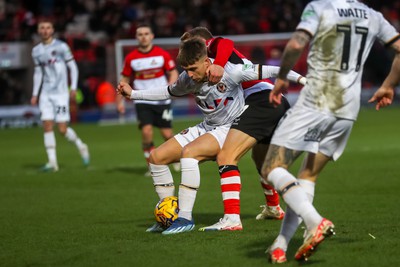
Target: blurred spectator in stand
column 258, row 55
column 106, row 96
column 274, row 58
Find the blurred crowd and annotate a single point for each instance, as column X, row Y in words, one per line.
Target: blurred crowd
column 109, row 20
column 89, row 26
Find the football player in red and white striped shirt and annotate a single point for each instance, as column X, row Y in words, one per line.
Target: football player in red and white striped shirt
column 150, row 66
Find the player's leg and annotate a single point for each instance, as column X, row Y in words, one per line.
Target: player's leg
column 50, row 146
column 169, row 151
column 311, row 167
column 271, row 209
column 331, row 147
column 259, row 121
column 236, row 145
column 62, row 118
column 205, row 147
column 275, row 168
column 294, row 131
column 163, row 121
column 146, row 116
column 147, row 142
column 47, row 110
column 168, row 133
column 72, row 137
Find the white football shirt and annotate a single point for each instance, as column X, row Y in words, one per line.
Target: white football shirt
column 52, row 59
column 343, row 33
column 220, row 103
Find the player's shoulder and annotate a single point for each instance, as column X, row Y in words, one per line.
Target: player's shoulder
column 36, row 49
column 159, row 50
column 58, row 42
column 319, row 4
column 61, row 45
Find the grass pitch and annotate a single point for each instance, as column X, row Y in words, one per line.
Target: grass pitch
column 98, row 216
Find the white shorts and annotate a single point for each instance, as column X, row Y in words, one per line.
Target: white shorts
column 188, row 135
column 304, row 129
column 54, row 107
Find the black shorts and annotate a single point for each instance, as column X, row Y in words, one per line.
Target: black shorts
column 156, row 115
column 260, row 119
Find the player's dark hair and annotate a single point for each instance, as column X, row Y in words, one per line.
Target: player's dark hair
column 144, row 25
column 190, row 51
column 202, row 32
column 45, row 20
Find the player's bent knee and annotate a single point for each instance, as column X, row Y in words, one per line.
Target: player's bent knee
column 154, row 158
column 188, row 152
column 160, row 157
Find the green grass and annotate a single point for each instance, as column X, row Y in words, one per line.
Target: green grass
column 98, row 216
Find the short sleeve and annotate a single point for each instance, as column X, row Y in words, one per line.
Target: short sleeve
column 387, row 33
column 309, row 19
column 169, row 63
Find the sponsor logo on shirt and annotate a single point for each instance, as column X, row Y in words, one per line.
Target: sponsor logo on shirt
column 313, row 135
column 248, row 67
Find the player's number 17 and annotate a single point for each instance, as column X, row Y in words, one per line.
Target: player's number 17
column 346, row 30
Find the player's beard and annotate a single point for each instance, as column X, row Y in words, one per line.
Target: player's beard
column 145, row 47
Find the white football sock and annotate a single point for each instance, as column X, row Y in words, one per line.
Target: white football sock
column 295, row 197
column 291, row 221
column 190, row 182
column 162, row 180
column 50, row 145
column 71, row 136
column 309, row 188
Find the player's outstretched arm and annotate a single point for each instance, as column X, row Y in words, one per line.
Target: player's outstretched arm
column 161, row 93
column 384, row 95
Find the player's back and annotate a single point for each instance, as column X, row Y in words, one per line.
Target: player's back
column 346, row 32
column 343, row 34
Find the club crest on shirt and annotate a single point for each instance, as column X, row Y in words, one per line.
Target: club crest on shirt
column 221, row 87
column 53, row 53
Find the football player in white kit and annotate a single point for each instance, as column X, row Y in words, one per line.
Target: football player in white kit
column 220, row 104
column 51, row 58
column 341, row 33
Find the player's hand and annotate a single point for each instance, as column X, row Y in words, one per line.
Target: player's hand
column 383, row 97
column 275, row 97
column 34, row 100
column 214, row 73
column 124, row 89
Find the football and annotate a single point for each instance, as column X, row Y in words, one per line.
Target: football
column 166, row 211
